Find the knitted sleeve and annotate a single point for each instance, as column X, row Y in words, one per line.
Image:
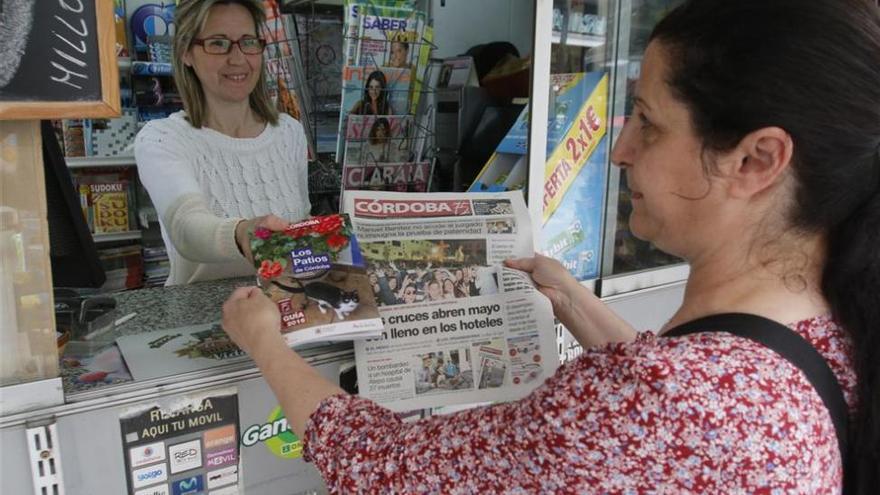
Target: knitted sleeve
column 167, row 174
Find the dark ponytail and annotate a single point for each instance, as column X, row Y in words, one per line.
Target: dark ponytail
column 812, row 68
column 851, row 283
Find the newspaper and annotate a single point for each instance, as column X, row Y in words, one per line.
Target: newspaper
column 314, row 272
column 458, row 326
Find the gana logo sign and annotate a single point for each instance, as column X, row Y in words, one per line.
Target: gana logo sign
column 185, row 456
column 275, row 434
column 149, row 475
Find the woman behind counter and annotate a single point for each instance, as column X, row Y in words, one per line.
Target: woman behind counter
column 753, row 152
column 229, row 161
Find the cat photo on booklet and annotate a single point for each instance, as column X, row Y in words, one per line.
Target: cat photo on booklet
column 343, row 302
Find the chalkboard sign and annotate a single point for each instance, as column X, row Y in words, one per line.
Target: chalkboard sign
column 58, row 59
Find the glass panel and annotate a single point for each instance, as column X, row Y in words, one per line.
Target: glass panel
column 577, row 138
column 27, row 335
column 623, row 252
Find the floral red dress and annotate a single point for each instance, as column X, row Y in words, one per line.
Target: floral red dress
column 705, row 413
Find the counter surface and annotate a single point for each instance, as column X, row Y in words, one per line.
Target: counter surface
column 157, row 308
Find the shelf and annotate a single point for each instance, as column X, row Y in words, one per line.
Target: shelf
column 577, row 39
column 117, row 236
column 100, row 161
column 124, row 63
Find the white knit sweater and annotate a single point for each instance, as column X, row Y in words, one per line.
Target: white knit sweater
column 203, row 183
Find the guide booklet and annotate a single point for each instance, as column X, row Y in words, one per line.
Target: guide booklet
column 314, row 271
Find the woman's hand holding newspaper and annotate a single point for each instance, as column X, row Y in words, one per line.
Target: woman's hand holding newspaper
column 585, row 316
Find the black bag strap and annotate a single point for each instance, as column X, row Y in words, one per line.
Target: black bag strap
column 788, row 344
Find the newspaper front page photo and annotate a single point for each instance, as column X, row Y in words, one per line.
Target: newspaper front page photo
column 458, row 327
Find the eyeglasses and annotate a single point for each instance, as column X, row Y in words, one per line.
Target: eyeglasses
column 222, row 46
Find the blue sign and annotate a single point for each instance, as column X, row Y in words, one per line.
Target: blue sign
column 573, row 234
column 188, row 486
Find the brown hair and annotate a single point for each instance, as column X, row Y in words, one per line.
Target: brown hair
column 189, row 18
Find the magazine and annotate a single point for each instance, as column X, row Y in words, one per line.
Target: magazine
column 577, row 147
column 106, row 198
column 388, row 40
column 400, row 177
column 371, row 91
column 314, row 272
column 109, row 208
column 374, row 138
column 178, row 350
column 87, row 363
column 459, row 327
column 353, row 10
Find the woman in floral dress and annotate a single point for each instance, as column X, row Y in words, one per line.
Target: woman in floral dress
column 753, row 152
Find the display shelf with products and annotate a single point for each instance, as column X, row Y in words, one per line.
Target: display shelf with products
column 96, row 147
column 578, row 68
column 588, row 232
column 581, row 47
column 582, row 23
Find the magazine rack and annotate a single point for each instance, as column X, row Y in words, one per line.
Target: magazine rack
column 286, row 77
column 326, row 82
column 386, row 141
